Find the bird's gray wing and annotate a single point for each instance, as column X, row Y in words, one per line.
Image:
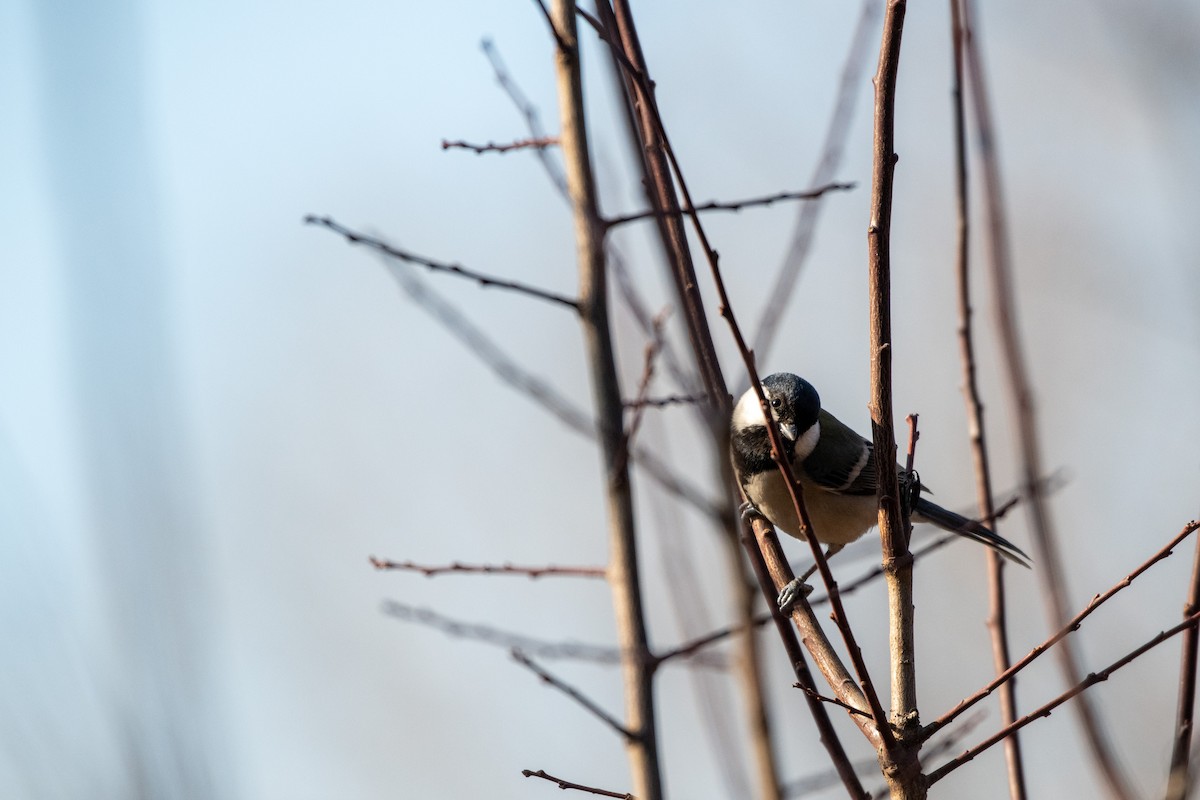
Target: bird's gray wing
column 855, row 476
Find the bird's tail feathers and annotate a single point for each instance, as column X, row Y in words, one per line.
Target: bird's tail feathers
column 925, row 511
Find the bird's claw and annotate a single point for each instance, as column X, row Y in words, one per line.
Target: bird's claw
column 747, row 510
column 791, row 594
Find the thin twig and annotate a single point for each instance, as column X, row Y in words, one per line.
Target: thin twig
column 563, row 784
column 653, row 347
column 1071, row 626
column 489, row 569
column 663, row 402
column 570, row 691
column 814, row 694
column 1091, row 680
column 354, row 237
column 492, row 147
column 563, row 45
column 998, row 610
column 735, row 205
column 1179, row 778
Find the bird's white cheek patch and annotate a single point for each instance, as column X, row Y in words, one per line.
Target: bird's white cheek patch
column 748, row 412
column 808, row 442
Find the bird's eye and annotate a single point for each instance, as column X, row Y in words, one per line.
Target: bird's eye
column 776, row 402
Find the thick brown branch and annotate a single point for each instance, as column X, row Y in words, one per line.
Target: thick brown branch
column 492, row 147
column 562, row 784
column 354, row 237
column 736, row 205
column 489, row 569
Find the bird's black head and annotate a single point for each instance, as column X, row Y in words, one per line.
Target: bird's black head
column 793, row 400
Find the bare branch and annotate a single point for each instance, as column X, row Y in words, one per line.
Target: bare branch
column 653, row 347
column 562, row 784
column 1089, row 681
column 492, row 147
column 438, row 266
column 998, row 613
column 1024, row 424
column 570, row 691
column 489, row 569
column 1072, row 625
column 736, row 205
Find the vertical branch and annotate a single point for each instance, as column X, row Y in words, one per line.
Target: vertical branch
column 1179, row 780
column 1054, row 584
column 897, row 561
column 997, row 617
column 636, row 665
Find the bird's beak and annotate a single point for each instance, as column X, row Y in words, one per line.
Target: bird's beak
column 789, row 431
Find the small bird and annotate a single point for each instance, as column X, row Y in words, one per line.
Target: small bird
column 834, row 465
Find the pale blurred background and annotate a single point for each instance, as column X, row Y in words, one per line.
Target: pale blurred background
column 211, row 415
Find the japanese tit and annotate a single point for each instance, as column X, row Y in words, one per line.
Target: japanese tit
column 834, row 465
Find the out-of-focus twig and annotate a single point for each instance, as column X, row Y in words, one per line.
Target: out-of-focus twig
column 663, row 402
column 540, row 648
column 998, row 614
column 508, row 147
column 564, row 784
column 527, row 110
column 354, row 237
column 735, row 205
column 1020, row 389
column 458, row 567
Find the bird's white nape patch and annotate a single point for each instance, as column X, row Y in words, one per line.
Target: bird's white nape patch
column 808, row 441
column 748, row 412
